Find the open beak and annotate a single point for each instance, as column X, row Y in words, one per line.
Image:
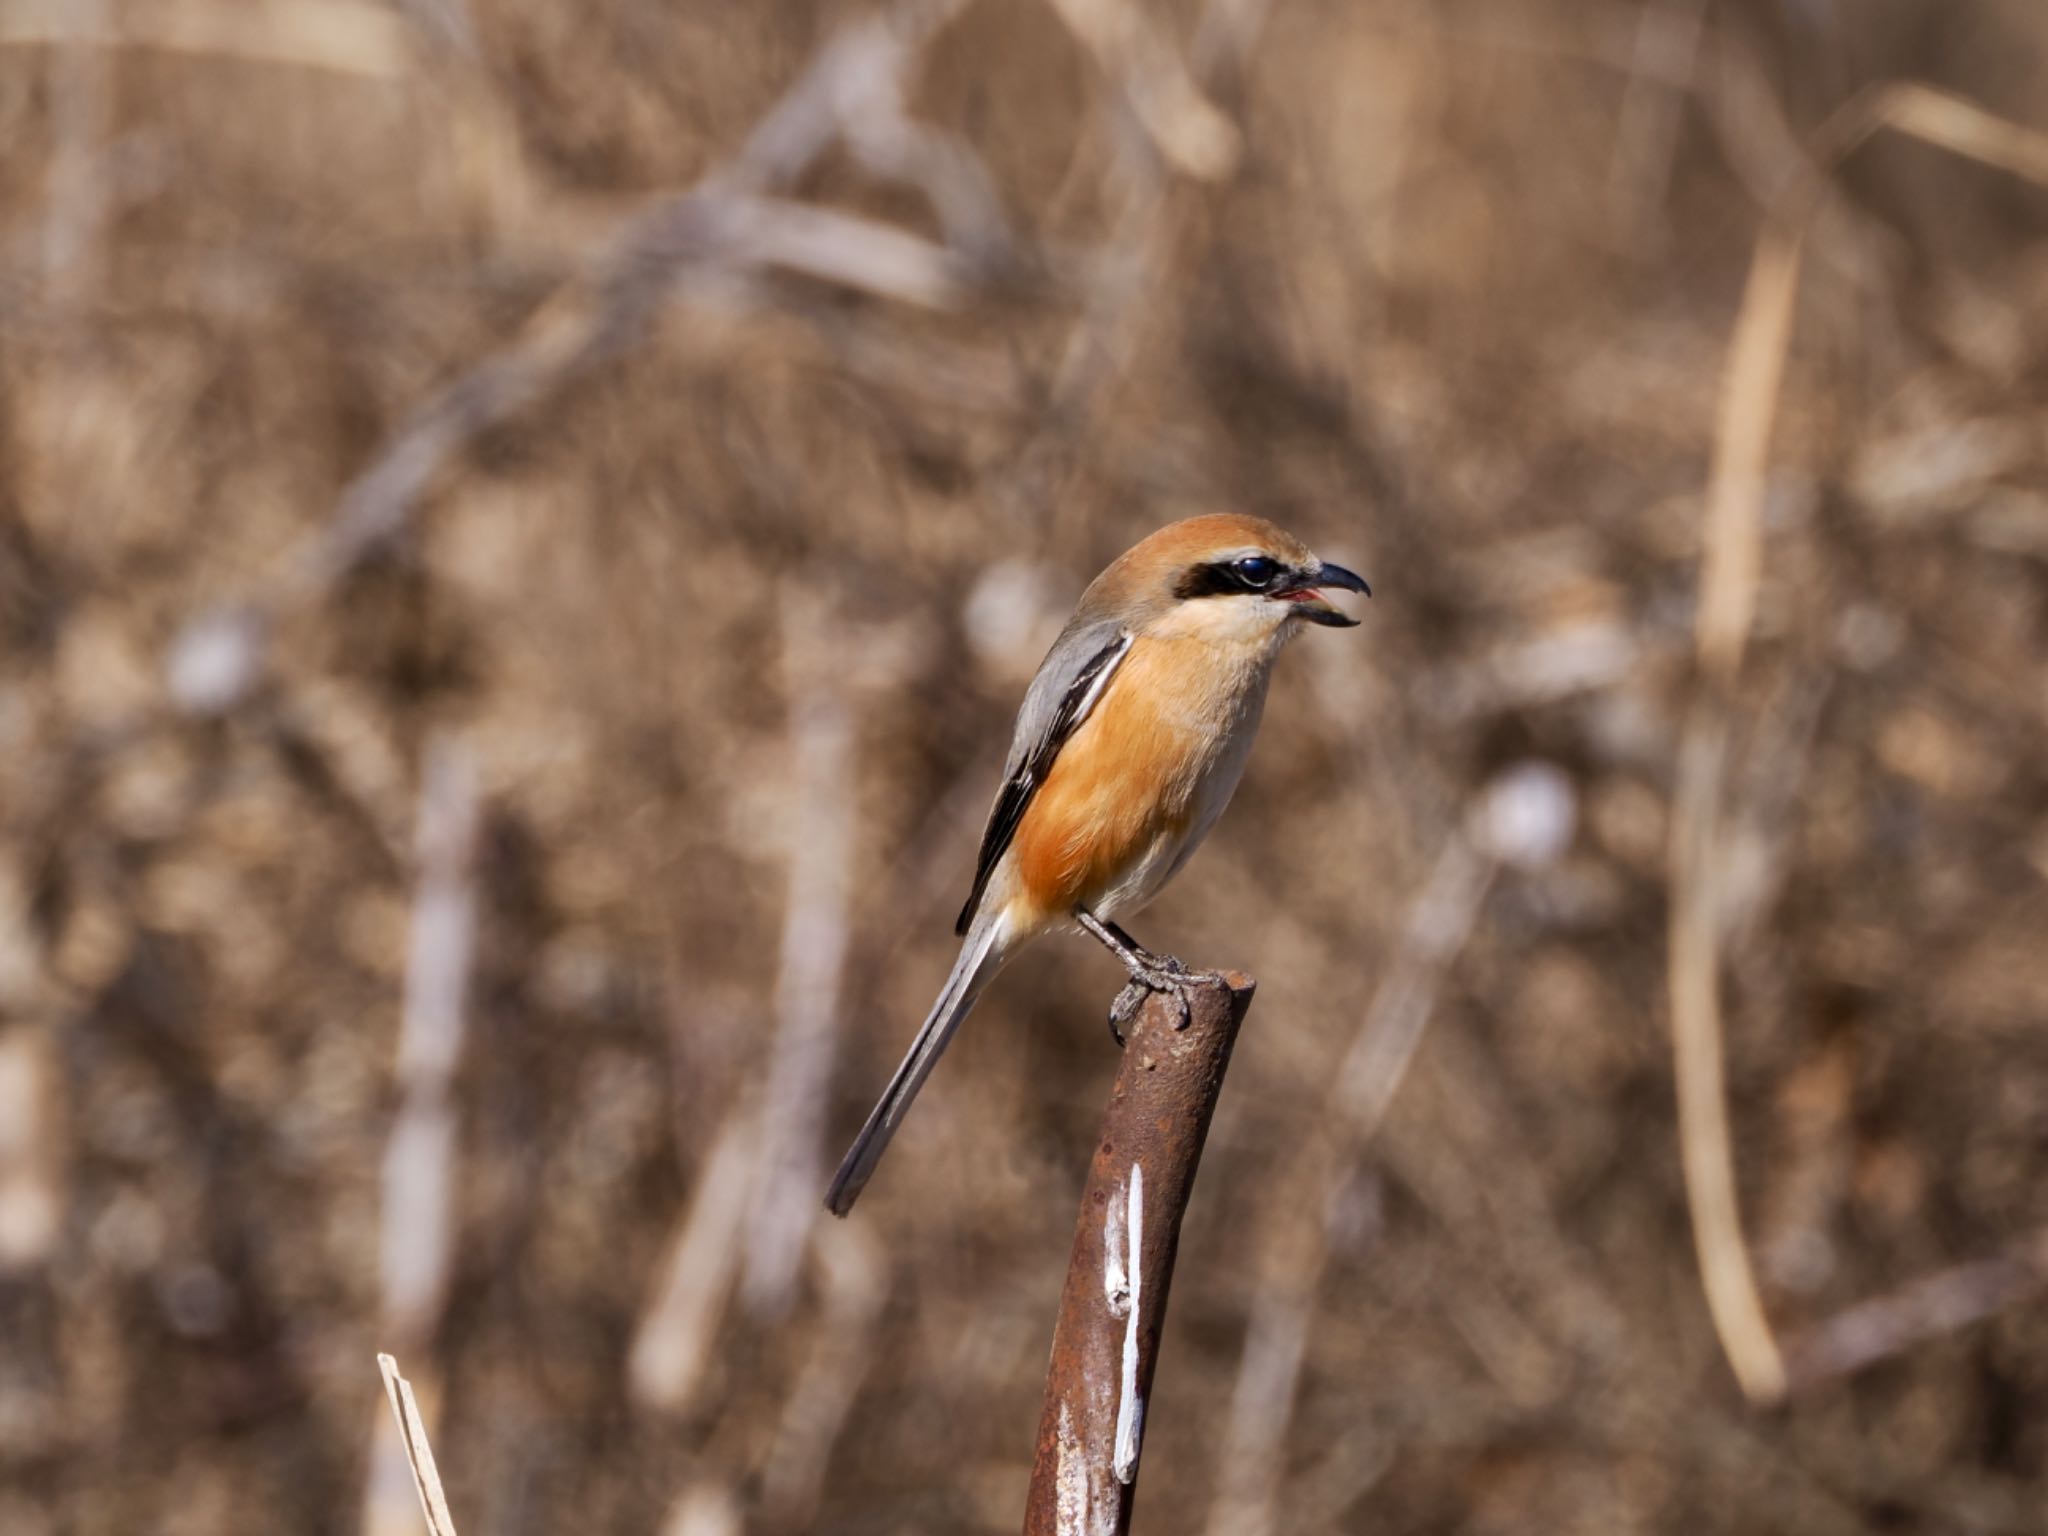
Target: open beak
column 1309, row 603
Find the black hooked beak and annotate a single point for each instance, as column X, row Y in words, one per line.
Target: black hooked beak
column 1310, row 605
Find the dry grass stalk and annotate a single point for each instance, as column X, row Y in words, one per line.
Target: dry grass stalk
column 853, row 1283
column 417, row 1237
column 1667, row 44
column 816, row 933
column 343, row 36
column 1923, row 1309
column 81, row 102
column 676, row 1330
column 419, row 1454
column 1728, row 578
column 706, row 1509
column 419, row 1176
column 1733, row 540
column 31, row 1209
column 1192, row 136
column 1939, row 118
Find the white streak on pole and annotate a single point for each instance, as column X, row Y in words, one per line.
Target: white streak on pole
column 1070, row 1480
column 1130, row 1408
column 1116, row 1285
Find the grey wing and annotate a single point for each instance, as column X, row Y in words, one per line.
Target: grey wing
column 1070, row 680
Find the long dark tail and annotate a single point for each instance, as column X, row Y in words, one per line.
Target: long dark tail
column 980, row 958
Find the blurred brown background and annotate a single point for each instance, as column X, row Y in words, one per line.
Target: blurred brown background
column 503, row 658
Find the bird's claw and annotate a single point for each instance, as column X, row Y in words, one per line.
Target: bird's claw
column 1165, row 974
column 1125, row 1008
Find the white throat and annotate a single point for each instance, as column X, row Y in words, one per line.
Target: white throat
column 1242, row 622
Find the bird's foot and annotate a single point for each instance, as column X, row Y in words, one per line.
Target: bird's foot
column 1148, row 972
column 1125, row 1008
column 1159, row 973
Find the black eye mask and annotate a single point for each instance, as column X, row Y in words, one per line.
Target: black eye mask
column 1227, row 578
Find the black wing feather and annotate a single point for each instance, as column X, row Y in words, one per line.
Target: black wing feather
column 1036, row 762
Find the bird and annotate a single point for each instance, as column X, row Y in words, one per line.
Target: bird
column 1130, row 741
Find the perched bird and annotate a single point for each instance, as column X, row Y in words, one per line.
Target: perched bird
column 1130, row 742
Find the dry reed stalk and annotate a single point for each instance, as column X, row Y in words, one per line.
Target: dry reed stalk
column 417, row 1238
column 1733, row 538
column 419, row 1455
column 1922, row 1309
column 346, row 37
column 1728, row 577
column 31, row 1101
column 816, row 933
column 1939, row 118
column 676, row 1329
column 81, row 107
column 1189, row 133
column 1667, row 42
column 706, row 1509
column 1224, row 36
column 853, row 1284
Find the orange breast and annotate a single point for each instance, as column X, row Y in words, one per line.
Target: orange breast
column 1122, row 781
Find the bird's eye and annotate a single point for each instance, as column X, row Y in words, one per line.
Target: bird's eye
column 1256, row 570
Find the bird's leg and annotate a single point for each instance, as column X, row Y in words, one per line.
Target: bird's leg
column 1148, row 972
column 1166, row 963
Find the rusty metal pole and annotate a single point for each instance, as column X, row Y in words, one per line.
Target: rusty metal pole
column 1107, row 1338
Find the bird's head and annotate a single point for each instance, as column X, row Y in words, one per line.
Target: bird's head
column 1227, row 577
